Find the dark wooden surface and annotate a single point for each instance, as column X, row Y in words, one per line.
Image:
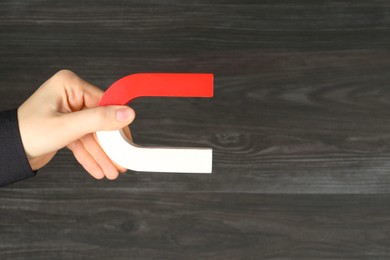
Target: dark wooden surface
column 300, row 127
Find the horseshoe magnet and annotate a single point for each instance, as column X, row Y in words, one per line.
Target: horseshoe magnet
column 156, row 159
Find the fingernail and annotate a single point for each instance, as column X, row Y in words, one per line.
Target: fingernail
column 124, row 114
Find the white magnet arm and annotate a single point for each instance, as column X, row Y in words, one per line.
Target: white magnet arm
column 154, row 159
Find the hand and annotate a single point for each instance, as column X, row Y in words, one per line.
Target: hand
column 64, row 112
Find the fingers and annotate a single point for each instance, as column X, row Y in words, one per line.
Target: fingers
column 80, row 117
column 89, row 154
column 79, row 87
column 86, row 160
column 92, row 94
column 94, row 149
column 117, row 166
column 78, row 112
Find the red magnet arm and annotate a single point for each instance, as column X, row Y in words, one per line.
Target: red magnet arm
column 158, row 85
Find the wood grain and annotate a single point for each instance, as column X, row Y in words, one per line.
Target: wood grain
column 80, row 224
column 300, row 127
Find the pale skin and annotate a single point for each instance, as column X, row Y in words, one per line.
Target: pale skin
column 64, row 112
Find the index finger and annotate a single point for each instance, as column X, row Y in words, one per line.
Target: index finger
column 84, row 93
column 92, row 94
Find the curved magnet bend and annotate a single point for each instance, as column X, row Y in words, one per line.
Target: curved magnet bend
column 156, row 159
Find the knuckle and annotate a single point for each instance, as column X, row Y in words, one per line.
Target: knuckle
column 63, row 77
column 101, row 117
column 102, row 113
column 64, row 74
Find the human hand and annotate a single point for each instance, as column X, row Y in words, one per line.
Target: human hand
column 64, row 112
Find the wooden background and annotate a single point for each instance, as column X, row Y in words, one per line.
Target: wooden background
column 300, row 127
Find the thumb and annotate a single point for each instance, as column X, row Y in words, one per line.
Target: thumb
column 80, row 123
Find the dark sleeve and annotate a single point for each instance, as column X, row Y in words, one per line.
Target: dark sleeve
column 14, row 165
